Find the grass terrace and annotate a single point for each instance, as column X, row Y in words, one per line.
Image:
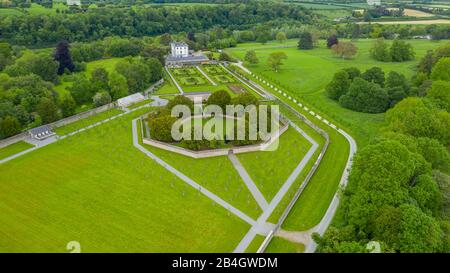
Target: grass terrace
column 14, row 149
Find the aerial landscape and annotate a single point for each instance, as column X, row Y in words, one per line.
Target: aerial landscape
column 224, row 126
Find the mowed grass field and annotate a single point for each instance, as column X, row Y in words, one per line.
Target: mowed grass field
column 97, row 189
column 306, row 73
column 14, row 149
column 270, row 169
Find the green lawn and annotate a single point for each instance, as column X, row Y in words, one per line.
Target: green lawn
column 306, row 73
column 270, row 169
column 216, row 174
column 255, row 244
column 144, row 102
column 281, row 245
column 74, row 126
column 97, row 189
column 108, row 64
column 14, row 149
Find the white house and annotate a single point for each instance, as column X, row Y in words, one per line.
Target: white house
column 180, row 55
column 179, row 49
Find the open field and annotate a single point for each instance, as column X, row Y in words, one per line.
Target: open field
column 306, row 73
column 414, row 13
column 280, row 245
column 97, row 189
column 14, row 149
column 270, row 169
column 35, row 9
column 412, row 22
column 72, row 127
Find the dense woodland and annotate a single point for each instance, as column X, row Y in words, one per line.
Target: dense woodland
column 99, row 23
column 398, row 192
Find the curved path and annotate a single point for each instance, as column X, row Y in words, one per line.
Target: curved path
column 327, row 218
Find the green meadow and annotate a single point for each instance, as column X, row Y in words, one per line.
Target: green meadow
column 306, row 73
column 97, row 189
column 14, row 149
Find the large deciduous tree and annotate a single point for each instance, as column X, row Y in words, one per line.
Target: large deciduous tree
column 275, row 60
column 63, row 57
column 306, row 41
column 251, row 57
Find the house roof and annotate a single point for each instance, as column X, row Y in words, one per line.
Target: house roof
column 40, row 129
column 179, row 44
column 191, row 58
column 131, row 99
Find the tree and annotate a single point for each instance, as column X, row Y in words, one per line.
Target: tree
column 68, row 106
column 439, row 94
column 413, row 117
column 380, row 51
column 100, row 78
column 353, row 72
column 82, row 89
column 5, row 55
column 332, row 40
column 180, row 100
column 101, row 98
column 63, row 57
column 40, row 64
column 9, row 126
column 418, row 231
column 245, row 99
column 281, row 37
column 345, row 50
column 161, row 128
column 434, row 152
column 137, row 73
column 191, row 36
column 118, row 86
column 220, row 98
column 225, row 57
column 47, row 110
column 339, row 85
column 375, row 75
column 156, row 69
column 365, row 97
column 441, row 70
column 426, row 63
column 251, row 57
column 401, row 51
column 165, row 39
column 154, row 51
column 262, row 33
column 306, row 41
column 275, row 60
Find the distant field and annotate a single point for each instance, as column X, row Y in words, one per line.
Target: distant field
column 417, row 13
column 412, row 22
column 14, row 149
column 35, row 9
column 307, row 72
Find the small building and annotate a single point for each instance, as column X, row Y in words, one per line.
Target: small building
column 179, row 49
column 73, row 2
column 180, row 55
column 197, row 95
column 131, row 99
column 41, row 132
